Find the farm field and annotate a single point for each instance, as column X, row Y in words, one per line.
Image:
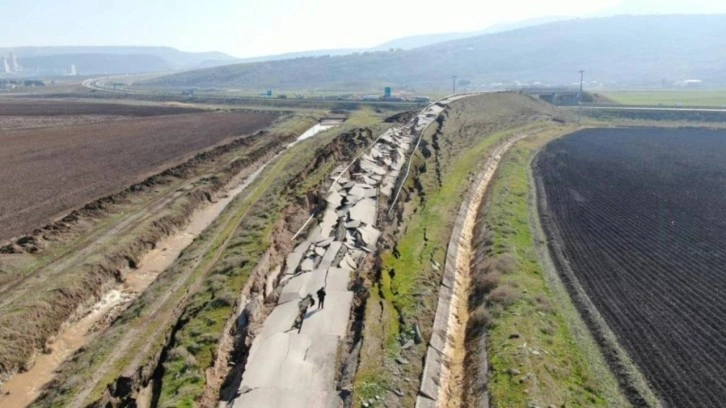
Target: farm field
column 48, row 171
column 639, row 216
column 44, row 107
column 709, row 98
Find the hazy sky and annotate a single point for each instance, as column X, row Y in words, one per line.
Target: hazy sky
column 247, row 28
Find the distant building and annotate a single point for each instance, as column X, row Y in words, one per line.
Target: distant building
column 16, row 65
column 6, row 66
column 73, row 70
column 692, row 83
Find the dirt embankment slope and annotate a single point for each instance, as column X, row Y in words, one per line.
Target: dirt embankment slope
column 86, row 254
column 49, row 171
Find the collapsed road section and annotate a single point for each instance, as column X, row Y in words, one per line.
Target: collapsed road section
column 296, row 367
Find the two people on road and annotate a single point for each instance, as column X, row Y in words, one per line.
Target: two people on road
column 304, row 304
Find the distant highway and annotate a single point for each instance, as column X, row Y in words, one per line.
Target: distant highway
column 99, row 84
column 652, row 108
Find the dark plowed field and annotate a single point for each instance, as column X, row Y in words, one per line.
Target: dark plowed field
column 41, row 107
column 47, row 172
column 641, row 214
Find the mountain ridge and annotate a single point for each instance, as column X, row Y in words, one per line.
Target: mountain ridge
column 617, row 51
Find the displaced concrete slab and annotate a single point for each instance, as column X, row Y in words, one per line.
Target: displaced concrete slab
column 352, row 224
column 337, row 279
column 293, row 289
column 272, row 397
column 365, row 211
column 334, row 199
column 317, row 234
column 301, row 373
column 357, row 190
column 267, row 362
column 350, row 239
column 327, row 224
column 317, row 279
column 307, row 265
column 430, row 387
column 325, row 242
column 330, row 255
column 348, row 263
column 352, row 199
column 292, row 262
column 438, row 332
column 369, row 235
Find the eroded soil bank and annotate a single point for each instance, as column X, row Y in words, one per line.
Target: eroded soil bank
column 23, row 388
column 91, row 251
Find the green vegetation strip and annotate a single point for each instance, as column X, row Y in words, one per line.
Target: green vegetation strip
column 411, row 272
column 539, row 349
column 699, row 98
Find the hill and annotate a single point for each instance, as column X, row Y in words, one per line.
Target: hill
column 404, row 43
column 111, row 60
column 617, row 51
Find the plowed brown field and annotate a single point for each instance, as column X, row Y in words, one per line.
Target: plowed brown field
column 46, row 172
column 44, row 107
column 641, row 219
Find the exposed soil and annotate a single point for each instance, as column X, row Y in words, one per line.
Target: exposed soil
column 23, row 388
column 72, row 280
column 49, row 171
column 638, row 214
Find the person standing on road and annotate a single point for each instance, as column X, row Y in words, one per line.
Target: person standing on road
column 302, row 309
column 321, row 298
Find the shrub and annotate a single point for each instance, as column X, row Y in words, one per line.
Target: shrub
column 503, row 295
column 484, row 283
column 480, row 317
column 505, row 263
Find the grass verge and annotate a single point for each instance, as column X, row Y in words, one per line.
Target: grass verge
column 540, row 351
column 697, row 98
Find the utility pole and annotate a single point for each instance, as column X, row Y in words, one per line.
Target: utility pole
column 579, row 111
column 454, row 78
